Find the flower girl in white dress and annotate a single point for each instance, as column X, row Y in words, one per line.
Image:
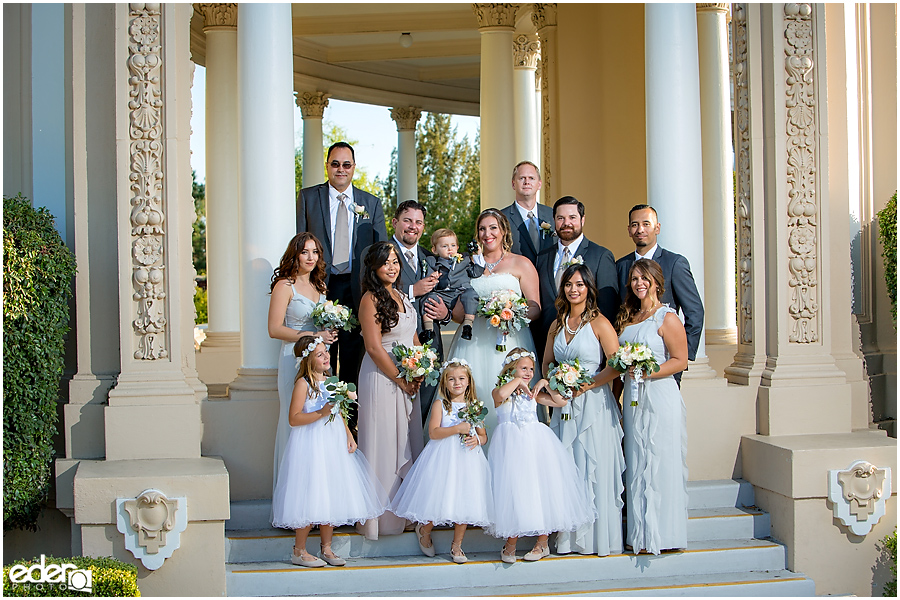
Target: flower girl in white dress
column 322, row 480
column 536, row 486
column 450, row 481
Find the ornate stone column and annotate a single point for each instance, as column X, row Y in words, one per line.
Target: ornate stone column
column 407, row 170
column 543, row 16
column 526, row 53
column 496, row 24
column 222, row 256
column 268, row 213
column 674, row 180
column 312, row 108
column 718, row 198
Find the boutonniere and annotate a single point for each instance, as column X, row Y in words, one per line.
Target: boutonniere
column 547, row 230
column 359, row 210
column 456, row 257
column 424, row 268
column 576, row 260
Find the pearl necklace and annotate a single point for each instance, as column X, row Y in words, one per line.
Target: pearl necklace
column 576, row 330
column 493, row 266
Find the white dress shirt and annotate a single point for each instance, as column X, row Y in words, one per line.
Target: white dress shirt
column 648, row 255
column 560, row 248
column 333, row 205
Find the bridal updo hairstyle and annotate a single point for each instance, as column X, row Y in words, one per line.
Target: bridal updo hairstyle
column 502, row 221
column 386, row 312
column 563, row 308
column 632, row 305
column 290, row 263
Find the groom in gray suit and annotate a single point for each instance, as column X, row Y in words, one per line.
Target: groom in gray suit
column 681, row 291
column 345, row 220
column 532, row 223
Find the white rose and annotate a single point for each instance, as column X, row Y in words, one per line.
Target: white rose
column 419, row 372
column 570, row 378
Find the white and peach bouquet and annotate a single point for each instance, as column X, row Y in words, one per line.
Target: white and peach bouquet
column 417, row 362
column 343, row 396
column 565, row 378
column 506, row 310
column 639, row 356
column 331, row 315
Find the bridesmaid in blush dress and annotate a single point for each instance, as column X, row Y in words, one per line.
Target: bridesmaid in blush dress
column 390, row 417
column 298, row 284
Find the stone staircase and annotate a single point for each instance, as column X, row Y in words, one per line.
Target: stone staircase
column 729, row 554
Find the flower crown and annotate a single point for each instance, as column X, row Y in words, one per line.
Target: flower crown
column 517, row 356
column 455, row 361
column 312, row 346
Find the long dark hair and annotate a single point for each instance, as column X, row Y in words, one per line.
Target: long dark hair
column 632, row 305
column 386, row 311
column 290, row 263
column 564, row 308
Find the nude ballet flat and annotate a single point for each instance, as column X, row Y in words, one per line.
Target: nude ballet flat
column 533, row 556
column 301, row 562
column 508, row 558
column 335, row 560
column 426, row 550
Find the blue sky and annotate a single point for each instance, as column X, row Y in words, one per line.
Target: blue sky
column 370, row 125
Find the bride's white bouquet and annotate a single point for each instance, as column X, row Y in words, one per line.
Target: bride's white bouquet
column 506, row 310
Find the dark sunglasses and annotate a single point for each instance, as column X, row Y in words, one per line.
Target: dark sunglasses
column 335, row 164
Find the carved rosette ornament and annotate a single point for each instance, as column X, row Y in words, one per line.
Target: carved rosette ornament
column 495, row 15
column 858, row 493
column 526, row 50
column 218, row 15
column 313, row 104
column 800, row 127
column 152, row 524
column 742, row 145
column 406, row 118
column 146, row 177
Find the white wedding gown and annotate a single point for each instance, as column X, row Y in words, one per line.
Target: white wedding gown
column 481, row 353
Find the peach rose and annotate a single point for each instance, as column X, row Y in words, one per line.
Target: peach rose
column 506, row 314
column 495, row 320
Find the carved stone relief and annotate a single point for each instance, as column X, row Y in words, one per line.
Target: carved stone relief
column 857, row 495
column 406, row 117
column 146, row 164
column 742, row 147
column 218, row 15
column 526, row 51
column 313, row 104
column 543, row 17
column 802, row 171
column 152, row 524
column 495, row 15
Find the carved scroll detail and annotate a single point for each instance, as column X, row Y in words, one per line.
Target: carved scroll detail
column 742, row 147
column 495, row 15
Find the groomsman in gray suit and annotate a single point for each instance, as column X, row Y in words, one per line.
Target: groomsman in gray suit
column 345, row 220
column 532, row 223
column 572, row 245
column 681, row 291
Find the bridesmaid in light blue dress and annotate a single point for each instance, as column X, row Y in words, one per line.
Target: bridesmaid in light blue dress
column 656, row 426
column 592, row 434
column 298, row 284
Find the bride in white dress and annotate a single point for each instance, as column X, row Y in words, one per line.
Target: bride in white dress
column 503, row 270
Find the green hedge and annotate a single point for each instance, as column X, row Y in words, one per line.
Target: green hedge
column 110, row 577
column 889, row 555
column 37, row 275
column 887, row 232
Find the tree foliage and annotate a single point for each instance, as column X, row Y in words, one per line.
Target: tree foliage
column 449, row 179
column 198, row 235
column 887, row 232
column 37, row 278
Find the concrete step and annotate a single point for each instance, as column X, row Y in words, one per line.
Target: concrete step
column 725, row 493
column 275, row 544
column 440, row 576
column 754, row 584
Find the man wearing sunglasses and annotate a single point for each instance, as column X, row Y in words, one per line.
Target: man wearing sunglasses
column 345, row 220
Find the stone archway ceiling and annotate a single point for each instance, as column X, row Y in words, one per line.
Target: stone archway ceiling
column 353, row 52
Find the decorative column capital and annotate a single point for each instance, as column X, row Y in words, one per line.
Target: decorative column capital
column 526, row 51
column 219, row 14
column 543, row 15
column 495, row 15
column 719, row 7
column 406, row 118
column 312, row 104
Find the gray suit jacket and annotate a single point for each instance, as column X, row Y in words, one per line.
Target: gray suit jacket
column 314, row 216
column 522, row 238
column 681, row 291
column 601, row 263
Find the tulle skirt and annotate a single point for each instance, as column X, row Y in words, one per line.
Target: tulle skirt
column 319, row 482
column 447, row 484
column 536, row 487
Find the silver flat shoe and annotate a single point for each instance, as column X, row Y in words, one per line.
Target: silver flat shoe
column 300, row 562
column 335, row 560
column 426, row 550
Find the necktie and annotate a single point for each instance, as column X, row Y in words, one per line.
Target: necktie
column 412, row 262
column 533, row 229
column 341, row 258
column 566, row 257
